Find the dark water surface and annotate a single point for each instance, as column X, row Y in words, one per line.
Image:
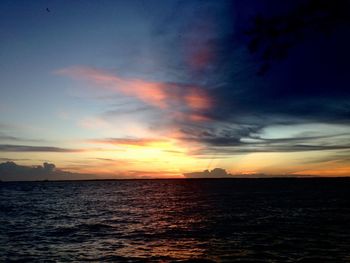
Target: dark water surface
column 239, row 220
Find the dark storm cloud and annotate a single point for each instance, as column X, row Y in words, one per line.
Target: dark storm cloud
column 257, row 141
column 221, row 135
column 250, row 140
column 245, row 138
column 309, row 84
column 28, row 148
column 245, row 148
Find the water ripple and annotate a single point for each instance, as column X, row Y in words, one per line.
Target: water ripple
column 176, row 221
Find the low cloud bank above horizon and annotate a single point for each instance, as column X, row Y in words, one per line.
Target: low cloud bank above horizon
column 10, row 171
column 215, row 173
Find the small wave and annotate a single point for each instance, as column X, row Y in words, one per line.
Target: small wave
column 167, row 227
column 69, row 230
column 95, row 227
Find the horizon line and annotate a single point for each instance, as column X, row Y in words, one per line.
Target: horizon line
column 222, row 178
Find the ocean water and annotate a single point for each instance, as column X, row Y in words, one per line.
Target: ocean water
column 238, row 220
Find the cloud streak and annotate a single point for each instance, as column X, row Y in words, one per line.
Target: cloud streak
column 162, row 95
column 5, row 137
column 28, row 148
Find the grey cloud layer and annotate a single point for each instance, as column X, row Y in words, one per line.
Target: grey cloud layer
column 28, row 148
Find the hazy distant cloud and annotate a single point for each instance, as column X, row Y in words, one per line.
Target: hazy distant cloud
column 10, row 171
column 5, row 137
column 28, row 148
column 127, row 109
column 9, row 138
column 215, row 173
column 2, row 159
column 151, row 174
column 104, row 159
column 338, row 157
column 6, row 126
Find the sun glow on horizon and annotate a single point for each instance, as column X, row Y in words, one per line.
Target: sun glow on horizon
column 174, row 88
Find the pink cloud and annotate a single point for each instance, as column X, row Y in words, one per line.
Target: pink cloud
column 170, row 96
column 198, row 99
column 201, row 57
column 200, row 50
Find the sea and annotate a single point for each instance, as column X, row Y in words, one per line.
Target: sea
column 183, row 220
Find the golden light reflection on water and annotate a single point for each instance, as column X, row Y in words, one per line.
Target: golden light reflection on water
column 163, row 249
column 177, row 220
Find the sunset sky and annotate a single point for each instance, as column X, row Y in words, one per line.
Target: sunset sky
column 160, row 88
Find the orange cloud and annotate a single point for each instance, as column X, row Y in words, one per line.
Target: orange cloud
column 198, row 118
column 150, row 92
column 159, row 94
column 198, row 99
column 331, row 168
column 199, row 47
